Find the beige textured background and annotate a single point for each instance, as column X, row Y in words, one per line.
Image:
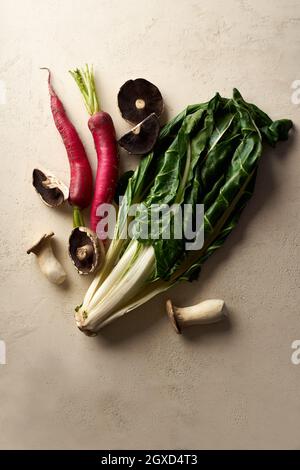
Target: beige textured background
column 138, row 385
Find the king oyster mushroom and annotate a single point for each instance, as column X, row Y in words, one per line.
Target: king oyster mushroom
column 204, row 313
column 51, row 190
column 141, row 139
column 86, row 250
column 139, row 98
column 48, row 263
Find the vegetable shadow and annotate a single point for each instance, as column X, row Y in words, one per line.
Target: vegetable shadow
column 146, row 317
column 153, row 312
column 165, row 116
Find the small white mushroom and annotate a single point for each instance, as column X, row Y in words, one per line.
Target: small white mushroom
column 51, row 190
column 48, row 263
column 208, row 311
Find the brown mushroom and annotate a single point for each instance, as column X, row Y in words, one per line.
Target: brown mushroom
column 138, row 98
column 86, row 250
column 48, row 263
column 141, row 139
column 51, row 190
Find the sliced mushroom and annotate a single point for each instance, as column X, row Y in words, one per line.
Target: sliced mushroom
column 139, row 98
column 141, row 139
column 48, row 263
column 204, row 313
column 86, row 250
column 51, row 190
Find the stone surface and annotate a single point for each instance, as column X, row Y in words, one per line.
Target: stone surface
column 138, row 385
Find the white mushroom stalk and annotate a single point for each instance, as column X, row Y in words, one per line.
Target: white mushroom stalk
column 204, row 313
column 47, row 261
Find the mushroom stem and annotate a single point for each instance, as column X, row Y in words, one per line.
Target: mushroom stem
column 48, row 263
column 140, row 104
column 208, row 311
column 84, row 252
column 50, row 266
column 46, row 183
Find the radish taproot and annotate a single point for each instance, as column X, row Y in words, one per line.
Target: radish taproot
column 102, row 128
column 81, row 178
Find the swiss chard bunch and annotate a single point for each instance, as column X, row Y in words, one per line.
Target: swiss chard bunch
column 208, row 154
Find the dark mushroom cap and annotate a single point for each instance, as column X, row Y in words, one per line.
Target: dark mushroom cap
column 40, row 243
column 172, row 316
column 141, row 139
column 52, row 191
column 139, row 98
column 85, row 249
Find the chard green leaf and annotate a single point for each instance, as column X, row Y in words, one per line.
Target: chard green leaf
column 208, row 154
column 122, row 185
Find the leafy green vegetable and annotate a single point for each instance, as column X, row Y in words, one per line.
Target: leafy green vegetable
column 122, row 185
column 208, row 155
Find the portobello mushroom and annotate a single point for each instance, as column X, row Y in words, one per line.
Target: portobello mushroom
column 86, row 250
column 138, row 98
column 141, row 138
column 51, row 190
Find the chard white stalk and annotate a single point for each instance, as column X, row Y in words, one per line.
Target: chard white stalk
column 111, row 258
column 119, row 287
column 115, row 275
